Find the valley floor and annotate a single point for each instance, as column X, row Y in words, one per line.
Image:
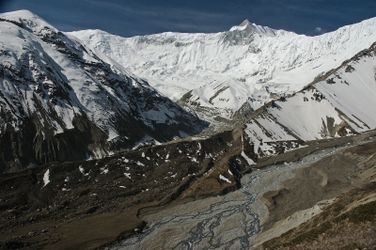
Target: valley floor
column 270, row 202
column 296, row 200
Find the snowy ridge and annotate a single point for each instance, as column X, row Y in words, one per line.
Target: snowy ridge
column 70, row 103
column 222, row 71
column 338, row 104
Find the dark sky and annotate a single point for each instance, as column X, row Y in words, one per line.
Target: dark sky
column 138, row 17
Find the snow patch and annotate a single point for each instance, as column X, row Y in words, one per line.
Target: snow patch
column 46, row 177
column 104, row 170
column 221, row 177
column 138, row 163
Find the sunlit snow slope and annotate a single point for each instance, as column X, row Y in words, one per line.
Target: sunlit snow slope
column 221, row 71
column 340, row 103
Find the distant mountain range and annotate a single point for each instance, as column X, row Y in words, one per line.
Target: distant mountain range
column 216, row 74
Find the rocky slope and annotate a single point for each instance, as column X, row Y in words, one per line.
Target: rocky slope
column 84, row 205
column 215, row 74
column 59, row 101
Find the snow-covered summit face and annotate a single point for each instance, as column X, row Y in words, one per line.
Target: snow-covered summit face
column 247, row 26
column 221, row 71
column 60, row 101
column 243, row 25
column 28, row 20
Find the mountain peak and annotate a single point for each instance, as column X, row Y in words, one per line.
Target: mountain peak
column 26, row 19
column 27, row 14
column 247, row 26
column 246, row 22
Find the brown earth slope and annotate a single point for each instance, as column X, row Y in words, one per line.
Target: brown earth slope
column 340, row 193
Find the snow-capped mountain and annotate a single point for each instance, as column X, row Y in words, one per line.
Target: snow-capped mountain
column 340, row 103
column 60, row 101
column 220, row 72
